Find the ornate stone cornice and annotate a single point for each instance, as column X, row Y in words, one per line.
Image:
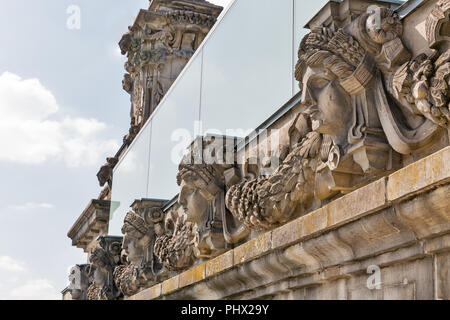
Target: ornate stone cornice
column 438, row 25
column 92, row 223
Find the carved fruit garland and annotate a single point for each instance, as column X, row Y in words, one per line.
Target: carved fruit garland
column 266, row 201
column 424, row 82
column 176, row 251
column 125, row 277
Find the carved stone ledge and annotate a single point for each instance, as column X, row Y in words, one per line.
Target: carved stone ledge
column 426, row 173
column 91, row 224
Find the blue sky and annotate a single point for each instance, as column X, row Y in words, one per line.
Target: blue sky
column 62, row 111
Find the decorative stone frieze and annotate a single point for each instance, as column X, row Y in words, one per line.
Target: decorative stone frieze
column 407, row 240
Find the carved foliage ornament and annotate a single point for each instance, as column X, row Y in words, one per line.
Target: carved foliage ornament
column 266, row 201
column 423, row 83
column 175, row 250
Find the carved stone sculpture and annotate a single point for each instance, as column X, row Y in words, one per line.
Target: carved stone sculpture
column 364, row 101
column 422, row 84
column 369, row 105
column 105, row 174
column 104, row 259
column 263, row 202
column 141, row 226
column 175, row 248
column 79, row 281
column 196, row 227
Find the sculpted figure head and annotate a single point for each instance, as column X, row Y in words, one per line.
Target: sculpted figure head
column 361, row 78
column 104, row 258
column 140, row 227
column 79, row 281
column 201, row 177
column 136, row 237
column 102, row 265
column 199, row 181
column 332, row 67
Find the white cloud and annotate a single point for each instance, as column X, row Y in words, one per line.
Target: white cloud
column 31, row 206
column 31, row 136
column 16, row 284
column 41, row 289
column 11, row 265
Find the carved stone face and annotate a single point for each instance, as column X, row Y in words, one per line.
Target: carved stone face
column 193, row 203
column 135, row 245
column 331, row 104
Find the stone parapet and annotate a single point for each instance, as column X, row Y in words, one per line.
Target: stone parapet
column 398, row 226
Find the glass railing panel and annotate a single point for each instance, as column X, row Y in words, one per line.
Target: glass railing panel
column 173, row 131
column 130, row 179
column 247, row 65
